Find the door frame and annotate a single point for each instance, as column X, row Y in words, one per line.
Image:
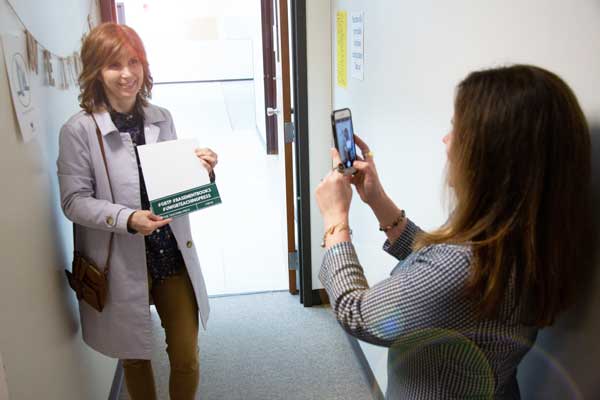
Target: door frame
column 308, row 297
column 268, row 22
column 288, row 149
column 108, row 11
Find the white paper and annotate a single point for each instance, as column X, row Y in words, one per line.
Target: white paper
column 176, row 178
column 15, row 56
column 357, row 49
column 171, row 167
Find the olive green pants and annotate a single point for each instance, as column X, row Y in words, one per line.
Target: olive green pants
column 176, row 305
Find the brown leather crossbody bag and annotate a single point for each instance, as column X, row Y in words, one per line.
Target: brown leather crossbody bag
column 89, row 282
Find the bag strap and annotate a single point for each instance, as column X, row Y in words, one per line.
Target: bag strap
column 112, row 195
column 112, row 234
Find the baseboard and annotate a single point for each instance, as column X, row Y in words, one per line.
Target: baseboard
column 115, row 389
column 319, row 296
column 376, row 392
column 215, row 296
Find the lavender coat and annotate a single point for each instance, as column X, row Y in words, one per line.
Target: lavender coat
column 123, row 329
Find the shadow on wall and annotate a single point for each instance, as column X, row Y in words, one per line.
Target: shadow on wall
column 60, row 230
column 69, row 310
column 562, row 365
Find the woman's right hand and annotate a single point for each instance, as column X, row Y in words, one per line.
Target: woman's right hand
column 144, row 222
column 366, row 179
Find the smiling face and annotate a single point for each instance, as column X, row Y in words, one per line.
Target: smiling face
column 122, row 79
column 115, row 69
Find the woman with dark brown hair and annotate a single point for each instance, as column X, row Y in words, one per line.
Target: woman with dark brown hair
column 465, row 305
column 149, row 258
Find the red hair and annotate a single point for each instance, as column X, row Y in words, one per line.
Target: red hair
column 102, row 46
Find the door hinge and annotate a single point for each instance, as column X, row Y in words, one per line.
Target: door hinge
column 293, row 262
column 289, row 132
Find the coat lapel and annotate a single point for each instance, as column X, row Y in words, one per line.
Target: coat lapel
column 151, row 132
column 104, row 122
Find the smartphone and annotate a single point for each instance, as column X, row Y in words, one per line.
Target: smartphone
column 343, row 135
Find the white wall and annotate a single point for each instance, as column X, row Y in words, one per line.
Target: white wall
column 189, row 40
column 415, row 54
column 40, row 339
column 206, row 40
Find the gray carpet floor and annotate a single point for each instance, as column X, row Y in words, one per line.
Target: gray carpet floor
column 268, row 346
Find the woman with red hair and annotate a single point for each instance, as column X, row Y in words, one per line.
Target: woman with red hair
column 151, row 259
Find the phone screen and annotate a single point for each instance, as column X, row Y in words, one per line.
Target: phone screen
column 345, row 141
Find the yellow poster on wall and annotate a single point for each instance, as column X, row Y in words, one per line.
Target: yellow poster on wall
column 342, row 56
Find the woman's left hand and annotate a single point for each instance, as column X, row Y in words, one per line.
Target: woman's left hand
column 207, row 157
column 334, row 195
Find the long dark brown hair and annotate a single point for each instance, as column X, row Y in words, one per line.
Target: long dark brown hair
column 104, row 44
column 519, row 164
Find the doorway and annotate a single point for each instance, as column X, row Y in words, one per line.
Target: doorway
column 206, row 58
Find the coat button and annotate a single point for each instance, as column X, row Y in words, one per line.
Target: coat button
column 110, row 220
column 189, row 244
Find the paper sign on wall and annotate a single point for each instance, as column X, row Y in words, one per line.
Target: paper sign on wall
column 21, row 91
column 342, row 57
column 176, row 181
column 357, row 48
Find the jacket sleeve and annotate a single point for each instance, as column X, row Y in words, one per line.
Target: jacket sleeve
column 402, row 247
column 419, row 303
column 76, row 178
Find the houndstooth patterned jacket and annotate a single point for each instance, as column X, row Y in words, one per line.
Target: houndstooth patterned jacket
column 438, row 348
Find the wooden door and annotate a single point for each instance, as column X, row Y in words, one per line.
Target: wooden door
column 270, row 49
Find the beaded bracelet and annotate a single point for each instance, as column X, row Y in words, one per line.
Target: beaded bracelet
column 331, row 230
column 395, row 223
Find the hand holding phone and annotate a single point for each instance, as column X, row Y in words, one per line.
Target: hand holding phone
column 343, row 136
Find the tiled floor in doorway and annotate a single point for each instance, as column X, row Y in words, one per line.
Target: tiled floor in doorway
column 241, row 242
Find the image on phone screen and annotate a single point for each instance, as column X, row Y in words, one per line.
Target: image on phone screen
column 345, row 141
